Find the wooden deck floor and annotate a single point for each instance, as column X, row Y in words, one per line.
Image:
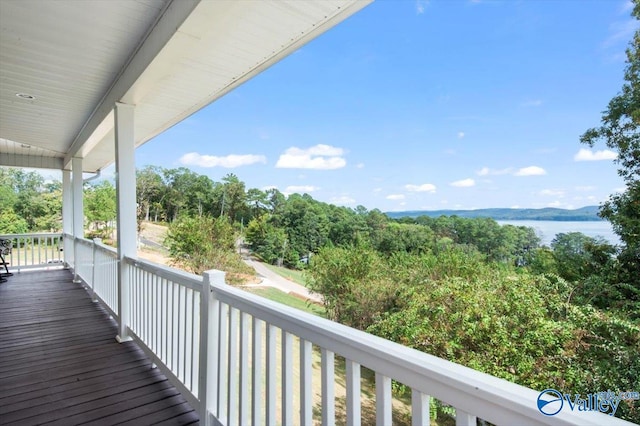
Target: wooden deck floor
column 60, row 363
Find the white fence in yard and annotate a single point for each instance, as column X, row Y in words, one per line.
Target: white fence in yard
column 240, row 359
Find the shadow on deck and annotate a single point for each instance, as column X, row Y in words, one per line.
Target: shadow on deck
column 60, row 362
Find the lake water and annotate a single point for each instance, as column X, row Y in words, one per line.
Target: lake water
column 547, row 229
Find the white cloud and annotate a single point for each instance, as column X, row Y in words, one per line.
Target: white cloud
column 301, row 189
column 552, row 192
column 319, row 157
column 588, row 155
column 554, row 204
column 395, row 197
column 627, row 6
column 229, row 161
column 420, row 6
column 360, row 166
column 531, row 171
column 620, row 32
column 460, row 135
column 343, row 200
column 485, row 171
column 525, row 171
column 425, row 187
column 464, row 183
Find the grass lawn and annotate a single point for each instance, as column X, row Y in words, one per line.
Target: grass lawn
column 289, row 300
column 290, row 274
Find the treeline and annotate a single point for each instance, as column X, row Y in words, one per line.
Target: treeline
column 28, row 203
column 588, row 213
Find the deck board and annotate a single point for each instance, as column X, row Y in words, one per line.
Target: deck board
column 60, row 362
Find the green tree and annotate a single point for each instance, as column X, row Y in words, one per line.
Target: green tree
column 35, row 202
column 233, row 197
column 11, row 223
column 202, row 243
column 266, row 240
column 175, row 200
column 571, row 255
column 100, row 208
column 397, row 237
column 51, row 217
column 257, row 203
column 620, row 131
column 149, row 188
column 353, row 281
column 306, row 224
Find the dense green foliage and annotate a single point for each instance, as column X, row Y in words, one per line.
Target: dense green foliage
column 534, row 329
column 28, row 202
column 100, row 209
column 202, row 243
column 620, row 131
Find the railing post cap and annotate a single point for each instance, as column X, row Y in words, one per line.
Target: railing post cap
column 214, row 277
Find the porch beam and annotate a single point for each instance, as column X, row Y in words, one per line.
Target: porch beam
column 126, row 207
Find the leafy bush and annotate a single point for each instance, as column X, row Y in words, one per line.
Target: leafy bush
column 354, row 283
column 202, row 243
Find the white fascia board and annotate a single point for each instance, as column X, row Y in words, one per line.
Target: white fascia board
column 31, row 161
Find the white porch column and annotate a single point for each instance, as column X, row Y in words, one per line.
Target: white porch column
column 78, row 210
column 67, row 216
column 126, row 200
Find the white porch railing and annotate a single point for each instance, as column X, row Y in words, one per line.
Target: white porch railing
column 97, row 265
column 31, row 251
column 165, row 312
column 232, row 355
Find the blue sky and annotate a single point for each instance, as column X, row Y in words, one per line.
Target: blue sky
column 425, row 105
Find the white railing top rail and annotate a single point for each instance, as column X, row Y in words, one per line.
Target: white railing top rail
column 112, row 251
column 487, row 397
column 84, row 241
column 32, row 235
column 186, row 279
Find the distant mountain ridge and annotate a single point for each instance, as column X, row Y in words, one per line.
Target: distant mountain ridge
column 588, row 213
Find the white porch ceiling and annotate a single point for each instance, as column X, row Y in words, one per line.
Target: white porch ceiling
column 169, row 58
